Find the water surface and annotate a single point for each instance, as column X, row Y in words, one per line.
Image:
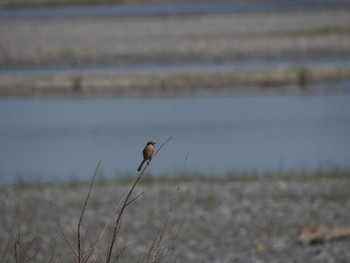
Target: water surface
column 167, row 9
column 55, row 139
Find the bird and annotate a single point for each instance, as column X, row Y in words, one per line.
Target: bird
column 147, row 153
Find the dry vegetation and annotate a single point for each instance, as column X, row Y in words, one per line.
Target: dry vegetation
column 21, row 245
column 246, row 219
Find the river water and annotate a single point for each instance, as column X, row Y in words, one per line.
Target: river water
column 57, row 139
column 166, row 9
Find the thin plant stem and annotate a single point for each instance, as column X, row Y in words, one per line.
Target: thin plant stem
column 125, row 204
column 156, row 245
column 80, row 252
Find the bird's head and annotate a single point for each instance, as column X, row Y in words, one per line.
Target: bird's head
column 151, row 142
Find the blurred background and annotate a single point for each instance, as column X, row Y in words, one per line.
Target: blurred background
column 241, row 86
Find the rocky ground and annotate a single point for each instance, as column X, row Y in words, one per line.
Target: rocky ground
column 134, row 43
column 256, row 220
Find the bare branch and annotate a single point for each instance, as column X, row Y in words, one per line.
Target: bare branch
column 124, row 205
column 156, row 245
column 121, row 252
column 134, row 199
column 162, row 145
column 5, row 251
column 175, row 238
column 116, row 226
column 80, row 252
column 107, row 224
column 62, row 235
column 105, row 227
column 31, row 243
column 21, row 248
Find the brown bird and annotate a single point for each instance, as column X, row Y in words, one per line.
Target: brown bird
column 147, row 153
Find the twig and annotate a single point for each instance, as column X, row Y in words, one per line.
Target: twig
column 106, row 225
column 80, row 253
column 63, row 236
column 116, row 226
column 134, row 199
column 125, row 204
column 5, row 251
column 161, row 231
column 21, row 250
column 176, row 237
column 93, row 245
column 162, row 145
column 121, row 252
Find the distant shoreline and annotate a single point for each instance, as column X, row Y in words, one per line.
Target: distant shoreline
column 202, row 82
column 304, row 36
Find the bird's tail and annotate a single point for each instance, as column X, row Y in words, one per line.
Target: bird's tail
column 140, row 167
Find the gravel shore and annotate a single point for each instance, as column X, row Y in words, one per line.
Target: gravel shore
column 242, row 221
column 211, row 37
column 142, row 42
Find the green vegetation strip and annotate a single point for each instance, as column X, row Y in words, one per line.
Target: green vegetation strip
column 229, row 177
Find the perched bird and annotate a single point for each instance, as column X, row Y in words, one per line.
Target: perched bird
column 147, row 153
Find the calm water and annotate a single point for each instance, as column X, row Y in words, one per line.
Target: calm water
column 168, row 9
column 55, row 139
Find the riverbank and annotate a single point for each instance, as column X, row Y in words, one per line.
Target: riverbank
column 176, row 55
column 224, row 220
column 302, row 80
